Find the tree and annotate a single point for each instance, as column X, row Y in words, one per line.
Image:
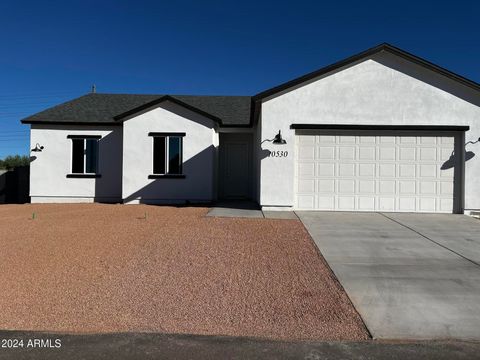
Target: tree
column 13, row 161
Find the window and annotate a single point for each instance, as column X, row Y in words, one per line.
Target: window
column 167, row 154
column 84, row 154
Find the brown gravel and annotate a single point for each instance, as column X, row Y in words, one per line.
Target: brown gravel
column 105, row 268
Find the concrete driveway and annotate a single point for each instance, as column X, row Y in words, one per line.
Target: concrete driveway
column 410, row 276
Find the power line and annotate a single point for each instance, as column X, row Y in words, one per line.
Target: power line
column 15, row 113
column 34, row 98
column 40, row 93
column 24, row 104
column 13, row 140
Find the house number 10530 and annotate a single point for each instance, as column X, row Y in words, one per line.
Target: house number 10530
column 279, row 153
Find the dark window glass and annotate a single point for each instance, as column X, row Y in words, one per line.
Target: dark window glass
column 91, row 151
column 159, row 155
column 77, row 155
column 174, row 155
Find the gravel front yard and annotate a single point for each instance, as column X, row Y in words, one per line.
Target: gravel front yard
column 107, row 268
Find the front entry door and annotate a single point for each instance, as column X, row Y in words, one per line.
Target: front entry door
column 235, row 168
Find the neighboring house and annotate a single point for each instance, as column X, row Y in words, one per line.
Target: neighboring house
column 381, row 131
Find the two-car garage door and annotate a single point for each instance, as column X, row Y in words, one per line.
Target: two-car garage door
column 379, row 171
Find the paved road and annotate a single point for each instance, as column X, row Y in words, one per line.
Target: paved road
column 410, row 276
column 158, row 346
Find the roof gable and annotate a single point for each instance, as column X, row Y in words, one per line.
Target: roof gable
column 292, row 84
column 111, row 109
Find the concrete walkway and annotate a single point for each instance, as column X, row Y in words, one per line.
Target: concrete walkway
column 242, row 209
column 410, row 276
column 247, row 209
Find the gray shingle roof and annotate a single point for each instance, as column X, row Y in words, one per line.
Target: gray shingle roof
column 104, row 108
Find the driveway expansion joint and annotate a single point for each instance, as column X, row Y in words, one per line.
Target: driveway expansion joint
column 426, row 237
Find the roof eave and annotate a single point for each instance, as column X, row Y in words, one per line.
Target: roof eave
column 358, row 57
column 47, row 122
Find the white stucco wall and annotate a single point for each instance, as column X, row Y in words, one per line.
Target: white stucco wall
column 199, row 157
column 49, row 169
column 383, row 90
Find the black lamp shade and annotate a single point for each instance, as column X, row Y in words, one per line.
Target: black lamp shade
column 278, row 140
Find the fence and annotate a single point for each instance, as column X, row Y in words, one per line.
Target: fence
column 14, row 185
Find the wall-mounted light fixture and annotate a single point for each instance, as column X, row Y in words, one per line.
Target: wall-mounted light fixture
column 277, row 140
column 38, row 148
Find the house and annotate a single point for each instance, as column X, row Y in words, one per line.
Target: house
column 380, row 131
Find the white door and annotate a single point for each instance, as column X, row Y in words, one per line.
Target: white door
column 375, row 172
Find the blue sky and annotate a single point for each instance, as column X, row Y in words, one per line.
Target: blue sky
column 52, row 51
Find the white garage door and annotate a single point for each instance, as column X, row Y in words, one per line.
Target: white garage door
column 374, row 173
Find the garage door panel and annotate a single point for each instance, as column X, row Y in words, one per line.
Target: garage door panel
column 407, row 170
column 446, row 173
column 306, row 152
column 387, row 139
column 428, row 171
column 386, row 203
column 428, row 187
column 346, row 203
column 387, row 170
column 406, row 187
column 306, row 169
column 427, row 140
column 306, row 202
column 427, row 204
column 406, row 204
column 346, row 169
column 408, row 140
column 309, row 140
column 346, row 186
column 367, row 170
column 326, row 169
column 374, row 173
column 366, row 186
column 306, row 186
column 407, row 154
column 446, row 188
column 326, row 153
column 366, row 203
column 387, row 187
column 387, row 153
column 445, row 154
column 446, row 205
column 447, row 140
column 367, row 139
column 428, row 153
column 324, row 139
column 326, row 202
column 346, row 153
column 346, row 140
column 366, row 153
column 326, row 186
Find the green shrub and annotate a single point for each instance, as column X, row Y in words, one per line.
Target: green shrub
column 13, row 161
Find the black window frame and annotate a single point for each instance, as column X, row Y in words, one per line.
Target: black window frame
column 162, row 169
column 75, row 172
